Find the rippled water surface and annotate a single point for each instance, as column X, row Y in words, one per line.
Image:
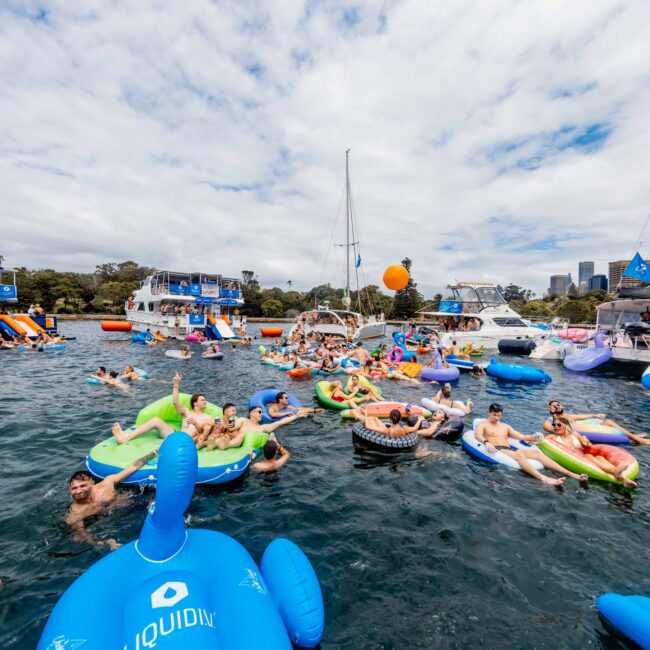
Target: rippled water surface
column 435, row 552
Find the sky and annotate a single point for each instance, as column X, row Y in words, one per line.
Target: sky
column 497, row 141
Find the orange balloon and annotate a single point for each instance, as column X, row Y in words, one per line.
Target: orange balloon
column 396, row 277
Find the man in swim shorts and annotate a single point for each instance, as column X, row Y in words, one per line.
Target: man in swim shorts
column 90, row 498
column 223, row 433
column 275, row 456
column 282, row 408
column 494, row 435
column 556, row 410
column 194, row 419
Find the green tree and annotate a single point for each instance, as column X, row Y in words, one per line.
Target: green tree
column 407, row 300
column 272, row 308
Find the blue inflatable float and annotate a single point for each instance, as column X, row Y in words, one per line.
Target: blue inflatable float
column 514, row 372
column 266, row 396
column 645, row 379
column 589, row 358
column 629, row 615
column 141, row 337
column 176, row 589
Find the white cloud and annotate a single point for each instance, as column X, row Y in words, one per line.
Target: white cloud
column 211, row 135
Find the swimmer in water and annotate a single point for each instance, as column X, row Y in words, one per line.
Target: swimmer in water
column 130, row 374
column 90, row 498
column 194, row 418
column 111, row 379
column 494, row 435
column 185, row 351
column 275, row 456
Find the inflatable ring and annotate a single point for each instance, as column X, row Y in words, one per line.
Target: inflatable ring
column 189, row 588
column 577, row 460
column 448, row 410
column 92, row 380
column 395, row 355
column 440, row 374
column 264, row 397
column 380, row 442
column 177, row 354
column 216, row 466
column 449, row 430
column 595, row 432
column 383, row 409
column 213, row 355
column 477, row 449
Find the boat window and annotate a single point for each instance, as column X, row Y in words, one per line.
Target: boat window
column 509, row 322
column 140, row 306
column 150, row 306
column 490, row 295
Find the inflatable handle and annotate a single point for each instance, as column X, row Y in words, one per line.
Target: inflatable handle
column 163, row 533
column 296, row 591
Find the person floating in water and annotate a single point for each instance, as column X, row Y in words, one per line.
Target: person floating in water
column 90, row 498
column 281, row 407
column 275, row 456
column 494, row 435
column 556, row 410
column 564, row 434
column 194, row 418
column 395, row 429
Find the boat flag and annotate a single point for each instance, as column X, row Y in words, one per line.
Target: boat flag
column 358, row 260
column 638, row 268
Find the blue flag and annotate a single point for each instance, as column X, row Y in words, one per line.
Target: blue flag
column 638, row 268
column 359, row 260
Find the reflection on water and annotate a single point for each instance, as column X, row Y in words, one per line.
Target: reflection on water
column 426, row 552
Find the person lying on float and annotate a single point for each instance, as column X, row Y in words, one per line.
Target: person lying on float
column 556, row 410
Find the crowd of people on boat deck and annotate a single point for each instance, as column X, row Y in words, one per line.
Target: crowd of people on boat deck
column 458, row 324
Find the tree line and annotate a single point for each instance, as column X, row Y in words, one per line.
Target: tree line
column 107, row 288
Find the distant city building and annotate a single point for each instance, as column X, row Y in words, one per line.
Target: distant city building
column 583, row 287
column 598, row 282
column 585, row 272
column 559, row 285
column 616, row 276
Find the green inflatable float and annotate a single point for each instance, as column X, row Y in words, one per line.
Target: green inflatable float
column 324, row 392
column 216, row 466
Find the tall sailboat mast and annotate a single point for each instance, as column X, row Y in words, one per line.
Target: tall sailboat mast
column 347, row 230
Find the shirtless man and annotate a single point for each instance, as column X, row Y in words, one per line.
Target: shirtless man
column 194, row 420
column 556, row 410
column 494, row 435
column 90, row 498
column 444, row 396
column 282, row 408
column 254, row 421
column 222, row 433
column 275, row 456
column 360, row 354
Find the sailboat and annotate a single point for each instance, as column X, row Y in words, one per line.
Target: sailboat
column 345, row 323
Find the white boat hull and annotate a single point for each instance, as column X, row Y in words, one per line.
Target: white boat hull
column 490, row 339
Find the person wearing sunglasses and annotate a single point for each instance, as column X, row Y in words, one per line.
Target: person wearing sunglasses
column 556, row 410
column 565, row 435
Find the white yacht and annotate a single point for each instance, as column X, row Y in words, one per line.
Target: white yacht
column 200, row 301
column 339, row 322
column 629, row 332
column 480, row 307
column 343, row 322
